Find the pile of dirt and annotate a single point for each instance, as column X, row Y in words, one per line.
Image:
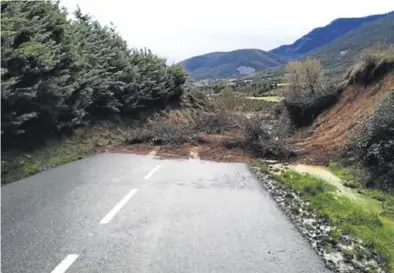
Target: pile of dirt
column 333, row 129
column 213, row 149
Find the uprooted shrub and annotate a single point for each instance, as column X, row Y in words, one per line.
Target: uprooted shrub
column 163, row 133
column 261, row 143
column 375, row 145
column 214, row 123
column 170, row 132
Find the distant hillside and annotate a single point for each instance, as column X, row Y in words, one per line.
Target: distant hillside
column 230, row 64
column 320, row 36
column 342, row 52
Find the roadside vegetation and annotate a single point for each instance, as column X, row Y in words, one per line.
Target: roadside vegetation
column 310, row 92
column 374, row 146
column 71, row 88
column 363, row 206
column 60, row 74
column 371, row 223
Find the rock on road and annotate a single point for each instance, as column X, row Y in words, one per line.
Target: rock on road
column 131, row 213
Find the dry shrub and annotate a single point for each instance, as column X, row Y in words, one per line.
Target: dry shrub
column 261, row 143
column 175, row 132
column 379, row 51
column 214, row 123
column 162, row 133
column 309, row 94
column 227, row 100
column 373, row 64
column 196, row 99
column 304, row 77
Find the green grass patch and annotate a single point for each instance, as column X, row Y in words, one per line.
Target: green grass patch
column 341, row 172
column 267, row 98
column 50, row 156
column 350, row 177
column 385, row 206
column 21, row 164
column 355, row 218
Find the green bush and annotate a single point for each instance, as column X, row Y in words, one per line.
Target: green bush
column 59, row 73
column 303, row 110
column 227, row 99
column 375, row 145
column 309, row 93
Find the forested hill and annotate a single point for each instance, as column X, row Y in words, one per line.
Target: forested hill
column 235, row 63
column 58, row 73
column 322, row 36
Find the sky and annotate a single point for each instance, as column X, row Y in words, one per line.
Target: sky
column 178, row 30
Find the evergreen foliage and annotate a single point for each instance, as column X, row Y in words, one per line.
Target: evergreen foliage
column 59, row 73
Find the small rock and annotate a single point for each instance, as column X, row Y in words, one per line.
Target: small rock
column 289, row 195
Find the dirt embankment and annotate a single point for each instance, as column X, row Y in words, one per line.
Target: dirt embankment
column 333, row 129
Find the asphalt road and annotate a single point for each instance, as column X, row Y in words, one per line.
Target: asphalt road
column 130, row 213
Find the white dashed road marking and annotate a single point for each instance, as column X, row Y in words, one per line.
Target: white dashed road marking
column 107, row 218
column 65, row 264
column 152, row 172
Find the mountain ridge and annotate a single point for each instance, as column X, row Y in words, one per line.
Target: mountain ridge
column 226, row 64
column 342, row 52
column 347, row 34
column 320, row 36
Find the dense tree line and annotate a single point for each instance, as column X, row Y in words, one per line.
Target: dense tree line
column 58, row 73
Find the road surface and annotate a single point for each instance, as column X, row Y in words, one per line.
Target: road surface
column 130, row 213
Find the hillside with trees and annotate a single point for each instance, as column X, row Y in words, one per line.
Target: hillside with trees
column 337, row 45
column 235, row 63
column 323, row 35
column 340, row 54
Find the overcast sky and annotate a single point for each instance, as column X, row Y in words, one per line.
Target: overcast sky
column 178, row 29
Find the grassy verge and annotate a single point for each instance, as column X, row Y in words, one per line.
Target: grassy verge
column 355, row 218
column 342, row 172
column 351, row 177
column 50, row 156
column 19, row 165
